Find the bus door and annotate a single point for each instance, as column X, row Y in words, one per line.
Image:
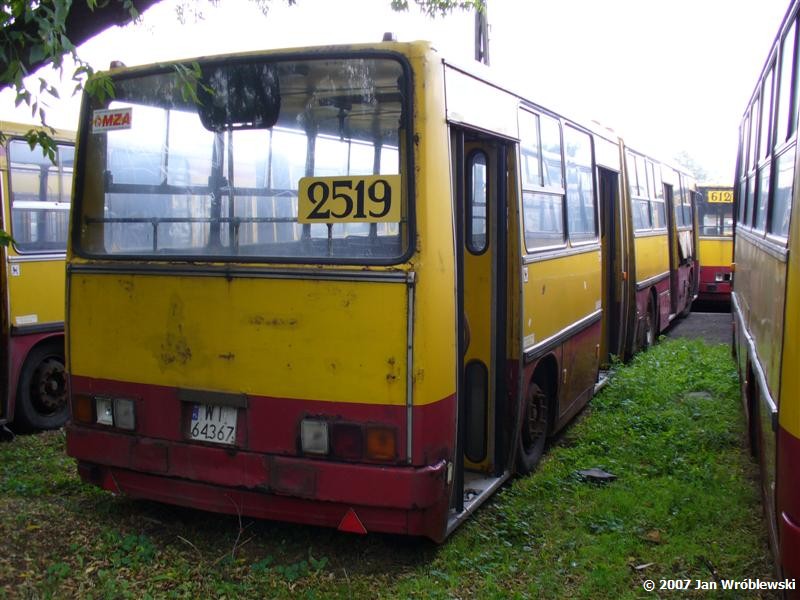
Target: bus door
column 672, row 238
column 481, row 182
column 614, row 267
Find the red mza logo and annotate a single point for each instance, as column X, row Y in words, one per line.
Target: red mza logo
column 118, row 118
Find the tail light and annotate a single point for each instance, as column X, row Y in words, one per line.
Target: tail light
column 83, row 408
column 348, row 441
column 381, row 443
column 105, row 410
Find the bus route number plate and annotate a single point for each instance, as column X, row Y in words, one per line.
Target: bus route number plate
column 216, row 424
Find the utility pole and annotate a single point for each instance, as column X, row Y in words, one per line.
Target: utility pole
column 482, row 34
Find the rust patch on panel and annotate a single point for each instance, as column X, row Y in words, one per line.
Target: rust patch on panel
column 175, row 347
column 262, row 321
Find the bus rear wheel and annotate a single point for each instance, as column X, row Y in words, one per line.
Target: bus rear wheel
column 533, row 434
column 42, row 388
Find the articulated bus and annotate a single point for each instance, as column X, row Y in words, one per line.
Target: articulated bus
column 715, row 216
column 330, row 286
column 35, row 213
column 665, row 242
column 766, row 288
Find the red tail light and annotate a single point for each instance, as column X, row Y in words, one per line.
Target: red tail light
column 347, row 441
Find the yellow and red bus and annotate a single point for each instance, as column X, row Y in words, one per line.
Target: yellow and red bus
column 663, row 251
column 328, row 286
column 766, row 288
column 715, row 215
column 35, row 213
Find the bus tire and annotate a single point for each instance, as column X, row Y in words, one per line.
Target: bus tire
column 533, row 433
column 42, row 388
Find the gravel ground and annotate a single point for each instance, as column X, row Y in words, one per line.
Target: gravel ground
column 713, row 327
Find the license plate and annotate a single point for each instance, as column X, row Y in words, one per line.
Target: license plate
column 215, row 424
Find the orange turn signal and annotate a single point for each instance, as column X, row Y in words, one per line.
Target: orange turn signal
column 83, row 408
column 381, row 443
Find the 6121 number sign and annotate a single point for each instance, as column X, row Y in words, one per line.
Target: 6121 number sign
column 356, row 199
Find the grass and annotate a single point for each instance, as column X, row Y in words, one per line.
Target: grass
column 684, row 505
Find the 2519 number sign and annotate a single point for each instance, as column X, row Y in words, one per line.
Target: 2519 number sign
column 355, row 199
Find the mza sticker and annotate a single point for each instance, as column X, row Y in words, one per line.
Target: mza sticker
column 106, row 120
column 354, row 199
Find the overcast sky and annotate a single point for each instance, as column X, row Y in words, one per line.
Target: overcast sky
column 668, row 75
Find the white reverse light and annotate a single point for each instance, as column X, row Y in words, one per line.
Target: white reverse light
column 314, row 436
column 124, row 413
column 104, row 411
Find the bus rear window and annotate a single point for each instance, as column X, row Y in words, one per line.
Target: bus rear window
column 176, row 167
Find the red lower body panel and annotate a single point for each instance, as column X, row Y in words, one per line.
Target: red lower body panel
column 788, row 499
column 264, row 474
column 391, row 499
column 713, row 288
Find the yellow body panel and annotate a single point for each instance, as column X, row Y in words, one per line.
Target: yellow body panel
column 716, row 252
column 789, row 400
column 271, row 337
column 559, row 292
column 36, row 291
column 757, row 271
column 434, row 341
column 790, row 374
column 652, row 256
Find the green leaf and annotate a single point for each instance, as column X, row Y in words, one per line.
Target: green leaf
column 37, row 53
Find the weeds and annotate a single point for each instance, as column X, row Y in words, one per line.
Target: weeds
column 684, row 504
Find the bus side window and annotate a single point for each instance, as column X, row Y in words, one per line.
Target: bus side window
column 581, row 219
column 782, row 199
column 477, row 215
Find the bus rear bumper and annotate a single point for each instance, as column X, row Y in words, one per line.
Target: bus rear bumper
column 715, row 284
column 391, row 499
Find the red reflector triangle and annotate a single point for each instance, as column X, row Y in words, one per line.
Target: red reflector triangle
column 351, row 523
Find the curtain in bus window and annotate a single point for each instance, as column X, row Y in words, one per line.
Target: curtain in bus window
column 782, row 200
column 551, row 152
column 543, row 220
column 580, row 186
column 763, row 198
column 40, row 197
column 530, row 156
